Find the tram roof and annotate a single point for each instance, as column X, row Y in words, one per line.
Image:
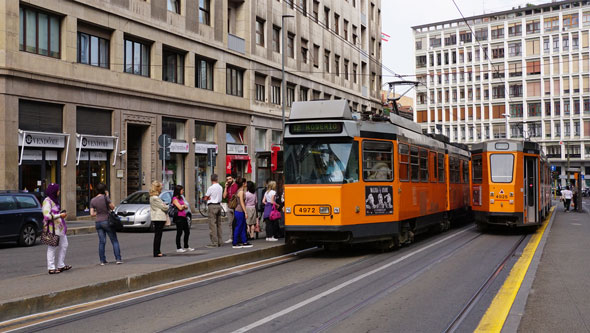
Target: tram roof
column 506, row 145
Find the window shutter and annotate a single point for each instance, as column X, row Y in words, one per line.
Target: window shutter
column 93, row 121
column 38, row 116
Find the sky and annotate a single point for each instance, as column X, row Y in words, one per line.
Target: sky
column 399, row 16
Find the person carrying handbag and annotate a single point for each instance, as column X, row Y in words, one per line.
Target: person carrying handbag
column 180, row 219
column 54, row 222
column 100, row 207
column 158, row 210
column 269, row 207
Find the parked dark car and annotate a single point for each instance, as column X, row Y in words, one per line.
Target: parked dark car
column 21, row 217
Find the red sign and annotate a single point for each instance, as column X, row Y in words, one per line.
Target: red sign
column 274, row 157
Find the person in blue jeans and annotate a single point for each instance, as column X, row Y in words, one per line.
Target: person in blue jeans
column 100, row 206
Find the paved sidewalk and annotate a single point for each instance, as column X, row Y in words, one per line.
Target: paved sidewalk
column 558, row 299
column 27, row 294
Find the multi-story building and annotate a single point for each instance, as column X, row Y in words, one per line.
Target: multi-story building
column 520, row 73
column 88, row 86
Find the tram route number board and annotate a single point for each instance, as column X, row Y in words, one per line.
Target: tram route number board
column 378, row 200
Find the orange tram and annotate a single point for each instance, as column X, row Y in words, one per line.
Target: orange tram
column 511, row 184
column 352, row 181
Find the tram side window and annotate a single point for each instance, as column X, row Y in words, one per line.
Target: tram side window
column 404, row 162
column 454, row 170
column 465, row 172
column 423, row 165
column 414, row 161
column 432, row 166
column 501, row 167
column 476, row 169
column 441, row 167
column 377, row 161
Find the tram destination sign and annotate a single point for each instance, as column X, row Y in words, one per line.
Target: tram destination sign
column 316, row 128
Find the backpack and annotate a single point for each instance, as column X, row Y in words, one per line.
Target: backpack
column 233, row 202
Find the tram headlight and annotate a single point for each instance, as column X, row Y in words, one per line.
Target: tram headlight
column 512, row 202
column 336, row 210
column 288, row 210
column 492, row 194
column 324, row 210
column 491, row 201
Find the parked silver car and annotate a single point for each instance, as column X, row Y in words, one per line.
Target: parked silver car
column 135, row 210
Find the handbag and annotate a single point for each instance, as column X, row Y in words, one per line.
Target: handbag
column 233, row 202
column 257, row 227
column 49, row 238
column 274, row 214
column 172, row 210
column 114, row 219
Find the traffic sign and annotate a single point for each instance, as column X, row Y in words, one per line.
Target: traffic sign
column 166, row 152
column 164, row 140
column 211, row 157
column 553, row 168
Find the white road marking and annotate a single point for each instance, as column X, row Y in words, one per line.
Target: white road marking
column 299, row 305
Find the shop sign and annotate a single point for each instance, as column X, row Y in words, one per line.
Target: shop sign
column 93, row 142
column 42, row 140
column 201, row 148
column 94, row 155
column 37, row 155
column 179, row 147
column 235, row 149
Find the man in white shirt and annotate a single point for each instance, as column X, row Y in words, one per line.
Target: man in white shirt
column 213, row 196
column 566, row 195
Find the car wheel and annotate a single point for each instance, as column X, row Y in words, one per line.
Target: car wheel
column 28, row 235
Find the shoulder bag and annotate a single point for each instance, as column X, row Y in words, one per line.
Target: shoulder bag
column 114, row 219
column 49, row 238
column 172, row 209
column 233, row 202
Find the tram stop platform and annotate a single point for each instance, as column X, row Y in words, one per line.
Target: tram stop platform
column 557, row 300
column 28, row 289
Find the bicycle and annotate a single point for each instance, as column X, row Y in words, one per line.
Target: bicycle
column 204, row 209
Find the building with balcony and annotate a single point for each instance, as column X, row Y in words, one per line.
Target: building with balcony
column 522, row 73
column 88, row 86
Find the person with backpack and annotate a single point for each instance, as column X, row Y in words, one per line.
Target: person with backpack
column 100, row 206
column 180, row 219
column 269, row 206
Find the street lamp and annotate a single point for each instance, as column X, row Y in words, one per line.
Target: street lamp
column 283, row 88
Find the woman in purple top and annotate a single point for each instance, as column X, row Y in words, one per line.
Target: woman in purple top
column 100, row 206
column 54, row 221
column 180, row 219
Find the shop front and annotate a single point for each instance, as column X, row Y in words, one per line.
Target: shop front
column 203, row 170
column 39, row 159
column 92, row 167
column 174, row 170
column 237, row 160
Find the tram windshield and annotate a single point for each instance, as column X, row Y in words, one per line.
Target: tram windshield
column 502, row 166
column 315, row 162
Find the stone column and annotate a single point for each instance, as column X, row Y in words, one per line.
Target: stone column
column 221, row 152
column 189, row 167
column 68, row 172
column 9, row 150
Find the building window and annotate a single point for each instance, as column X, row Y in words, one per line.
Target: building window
column 303, row 94
column 275, row 92
column 551, row 24
column 514, row 29
column 260, row 83
column 205, row 12
column 326, row 61
column 259, row 31
column 304, row 50
column 290, row 95
column 39, row 32
column 291, row 45
column 570, row 21
column 346, row 66
column 174, row 6
column 276, row 39
column 516, row 110
column 533, row 27
column 327, row 17
column 514, row 49
column 316, row 56
column 303, row 6
column 498, row 32
column 173, row 67
column 345, row 29
column 337, row 24
column 204, row 79
column 93, row 50
column 337, row 65
column 137, row 58
column 354, row 73
column 534, row 109
column 234, row 81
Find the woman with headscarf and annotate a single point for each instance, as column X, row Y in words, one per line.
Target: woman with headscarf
column 54, row 221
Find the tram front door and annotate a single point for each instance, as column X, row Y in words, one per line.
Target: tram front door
column 531, row 192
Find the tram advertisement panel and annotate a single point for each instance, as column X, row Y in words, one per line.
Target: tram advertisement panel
column 378, row 200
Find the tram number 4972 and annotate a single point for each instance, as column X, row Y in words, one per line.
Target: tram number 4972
column 306, row 210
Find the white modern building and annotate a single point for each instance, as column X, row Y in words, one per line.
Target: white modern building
column 520, row 73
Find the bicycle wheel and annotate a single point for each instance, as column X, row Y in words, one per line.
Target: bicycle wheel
column 203, row 208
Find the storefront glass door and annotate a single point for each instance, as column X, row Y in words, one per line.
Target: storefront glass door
column 92, row 170
column 202, row 177
column 39, row 169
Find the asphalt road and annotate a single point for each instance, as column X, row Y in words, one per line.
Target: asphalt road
column 419, row 288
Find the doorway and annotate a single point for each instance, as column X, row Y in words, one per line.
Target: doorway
column 135, row 174
column 531, row 192
column 38, row 170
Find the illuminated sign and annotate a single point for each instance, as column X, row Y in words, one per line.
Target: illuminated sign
column 316, row 128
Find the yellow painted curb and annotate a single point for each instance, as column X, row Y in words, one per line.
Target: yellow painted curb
column 496, row 315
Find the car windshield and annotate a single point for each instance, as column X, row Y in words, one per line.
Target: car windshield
column 315, row 162
column 139, row 198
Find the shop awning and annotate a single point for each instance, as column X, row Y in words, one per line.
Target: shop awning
column 230, row 158
column 100, row 142
column 43, row 140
